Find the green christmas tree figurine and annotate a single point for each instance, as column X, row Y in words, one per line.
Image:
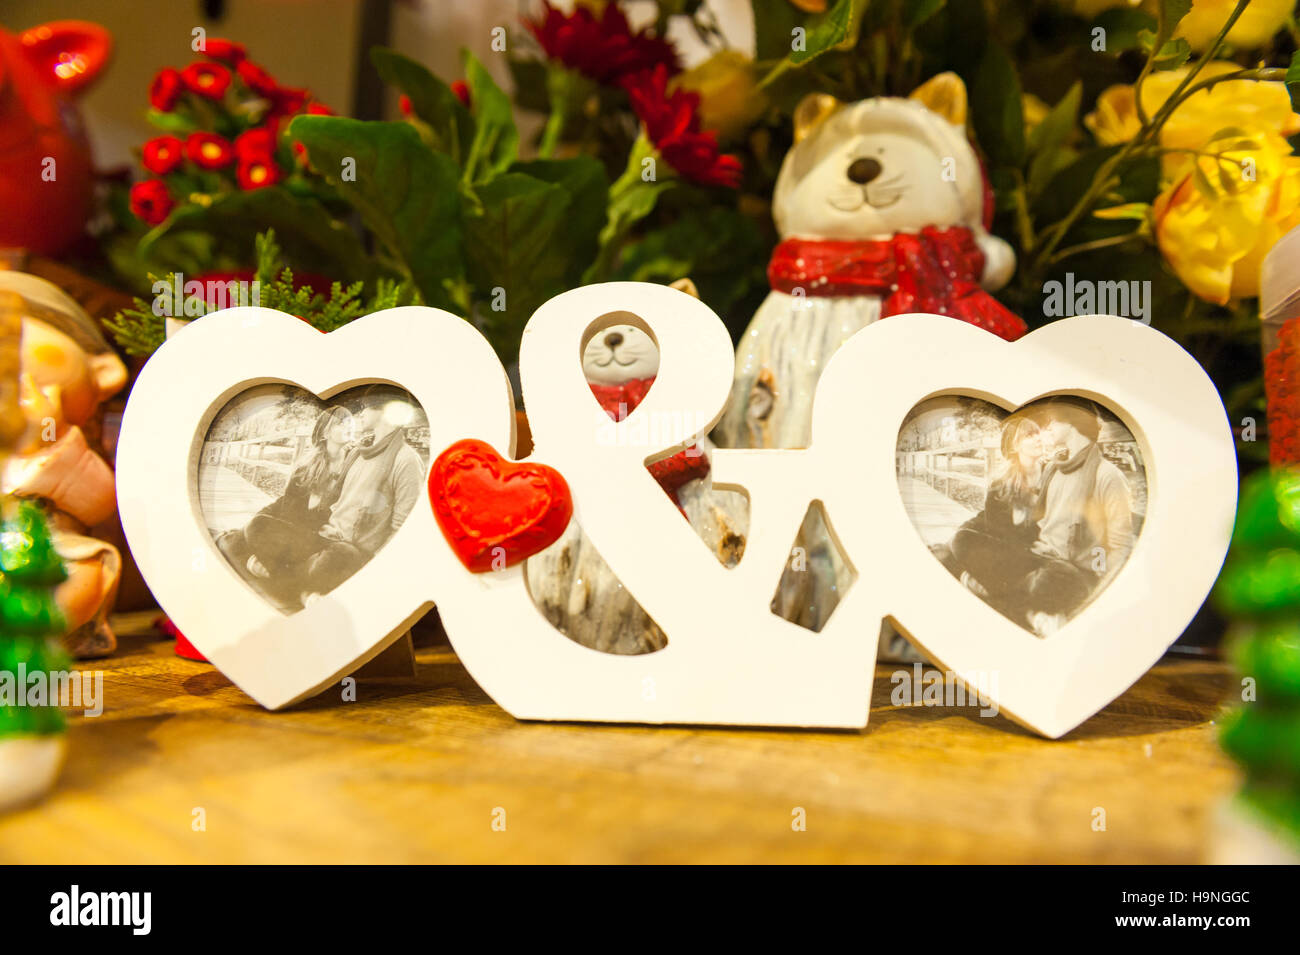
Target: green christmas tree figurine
column 31, row 727
column 1260, row 590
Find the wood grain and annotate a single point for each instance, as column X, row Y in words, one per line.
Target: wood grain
column 416, row 770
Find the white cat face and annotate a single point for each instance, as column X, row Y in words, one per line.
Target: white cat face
column 872, row 185
column 620, row 353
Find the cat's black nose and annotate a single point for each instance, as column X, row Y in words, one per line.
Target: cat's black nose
column 862, row 171
column 614, row 339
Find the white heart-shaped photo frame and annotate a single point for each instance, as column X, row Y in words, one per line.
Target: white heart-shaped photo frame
column 440, row 359
column 1155, row 388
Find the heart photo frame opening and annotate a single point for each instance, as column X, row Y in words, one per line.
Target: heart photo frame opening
column 1035, row 511
column 299, row 493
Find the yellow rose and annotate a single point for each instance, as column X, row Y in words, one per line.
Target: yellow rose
column 1246, row 104
column 1114, row 119
column 1215, row 227
column 729, row 99
column 1254, row 28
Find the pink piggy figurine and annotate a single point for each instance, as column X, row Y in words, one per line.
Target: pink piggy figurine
column 45, row 166
column 66, row 372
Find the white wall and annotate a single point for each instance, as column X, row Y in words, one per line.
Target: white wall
column 302, row 42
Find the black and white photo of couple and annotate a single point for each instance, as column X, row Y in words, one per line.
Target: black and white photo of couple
column 1034, row 511
column 300, row 494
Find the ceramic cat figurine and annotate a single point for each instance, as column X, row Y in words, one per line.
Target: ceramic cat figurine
column 883, row 209
column 67, row 372
column 569, row 581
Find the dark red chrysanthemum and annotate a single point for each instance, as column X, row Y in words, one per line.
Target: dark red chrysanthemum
column 165, row 89
column 209, row 150
column 224, row 50
column 461, row 89
column 207, row 79
column 605, row 49
column 162, row 154
column 672, row 123
column 150, row 201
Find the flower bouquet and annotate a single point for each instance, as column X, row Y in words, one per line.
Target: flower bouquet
column 1142, row 156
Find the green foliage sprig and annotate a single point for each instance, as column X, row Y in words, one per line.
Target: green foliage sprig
column 141, row 329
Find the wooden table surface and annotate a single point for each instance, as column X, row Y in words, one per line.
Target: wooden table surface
column 418, row 770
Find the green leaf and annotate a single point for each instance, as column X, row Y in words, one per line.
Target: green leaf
column 496, row 141
column 774, row 24
column 716, row 246
column 432, row 100
column 837, row 28
column 529, row 79
column 172, row 122
column 514, row 240
column 583, row 179
column 997, row 108
column 1047, row 138
column 405, row 193
column 1139, row 181
column 1172, row 54
column 312, row 238
column 1293, row 71
column 631, row 199
column 916, row 12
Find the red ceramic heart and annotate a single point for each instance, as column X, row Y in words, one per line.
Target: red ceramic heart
column 494, row 512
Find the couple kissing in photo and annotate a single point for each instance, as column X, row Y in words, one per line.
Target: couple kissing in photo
column 1057, row 521
column 358, row 483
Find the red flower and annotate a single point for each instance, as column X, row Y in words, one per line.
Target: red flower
column 257, row 79
column 606, row 49
column 288, row 101
column 461, row 89
column 150, row 201
column 256, row 143
column 163, row 154
column 404, row 104
column 673, row 124
column 165, row 89
column 257, row 172
column 207, row 79
column 209, row 150
column 319, row 109
column 225, row 51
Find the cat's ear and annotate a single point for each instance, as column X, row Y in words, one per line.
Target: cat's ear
column 811, row 112
column 687, row 286
column 944, row 94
